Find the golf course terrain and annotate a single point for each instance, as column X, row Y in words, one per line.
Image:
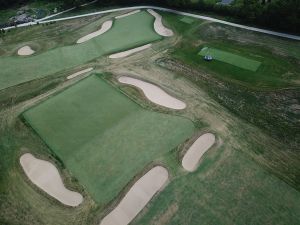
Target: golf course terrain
column 148, row 117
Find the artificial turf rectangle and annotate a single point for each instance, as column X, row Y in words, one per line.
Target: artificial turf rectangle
column 128, row 32
column 103, row 137
column 231, row 58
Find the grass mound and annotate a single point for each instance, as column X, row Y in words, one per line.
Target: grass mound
column 103, row 137
column 233, row 59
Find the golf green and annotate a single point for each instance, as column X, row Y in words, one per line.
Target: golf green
column 102, row 136
column 128, row 32
column 233, row 59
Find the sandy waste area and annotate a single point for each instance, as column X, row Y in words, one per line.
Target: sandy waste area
column 46, row 176
column 129, row 52
column 79, row 73
column 193, row 155
column 154, row 93
column 158, row 25
column 137, row 197
column 26, row 50
column 128, row 14
column 104, row 28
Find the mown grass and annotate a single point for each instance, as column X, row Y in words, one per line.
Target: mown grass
column 126, row 33
column 103, row 137
column 228, row 188
column 21, row 202
column 264, row 98
column 275, row 71
column 233, row 59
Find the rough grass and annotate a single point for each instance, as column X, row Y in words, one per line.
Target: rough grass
column 98, row 132
column 126, row 33
column 279, row 63
column 228, row 188
column 233, row 59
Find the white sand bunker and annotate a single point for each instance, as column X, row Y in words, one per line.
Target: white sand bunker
column 192, row 157
column 128, row 14
column 154, row 93
column 137, row 197
column 129, row 52
column 26, row 50
column 104, row 28
column 46, row 176
column 79, row 73
column 158, row 25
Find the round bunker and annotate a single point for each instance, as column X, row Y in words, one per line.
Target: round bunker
column 137, row 197
column 46, row 176
column 154, row 93
column 104, row 28
column 193, row 155
column 159, row 26
column 129, row 52
column 26, row 50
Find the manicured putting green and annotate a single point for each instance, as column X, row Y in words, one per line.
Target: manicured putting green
column 187, row 20
column 233, row 59
column 103, row 137
column 128, row 32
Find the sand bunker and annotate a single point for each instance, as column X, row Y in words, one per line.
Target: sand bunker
column 158, row 25
column 26, row 50
column 79, row 73
column 105, row 27
column 46, row 176
column 137, row 197
column 192, row 157
column 128, row 14
column 154, row 93
column 129, row 52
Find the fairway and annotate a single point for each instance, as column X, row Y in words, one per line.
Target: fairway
column 103, row 137
column 230, row 58
column 127, row 33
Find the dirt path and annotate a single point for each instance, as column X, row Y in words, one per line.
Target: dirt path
column 129, row 52
column 154, row 93
column 79, row 73
column 192, row 157
column 158, row 25
column 26, row 50
column 46, row 176
column 104, row 28
column 137, row 197
column 128, row 14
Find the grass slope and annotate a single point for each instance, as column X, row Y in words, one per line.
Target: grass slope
column 233, row 59
column 126, row 33
column 103, row 137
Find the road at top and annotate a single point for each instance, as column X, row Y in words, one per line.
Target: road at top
column 278, row 34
